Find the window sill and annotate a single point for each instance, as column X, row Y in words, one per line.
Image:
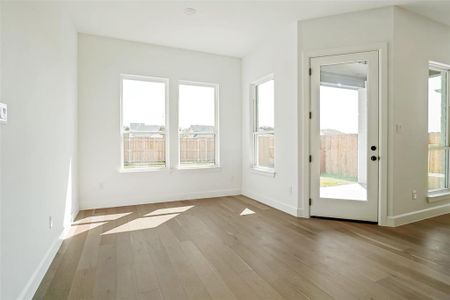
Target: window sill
column 195, row 168
column 143, row 170
column 263, row 171
column 437, row 196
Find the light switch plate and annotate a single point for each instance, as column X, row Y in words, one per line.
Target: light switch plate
column 3, row 113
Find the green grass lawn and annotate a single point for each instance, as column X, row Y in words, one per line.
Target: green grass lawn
column 327, row 180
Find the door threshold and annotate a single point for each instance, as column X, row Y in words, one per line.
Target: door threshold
column 345, row 220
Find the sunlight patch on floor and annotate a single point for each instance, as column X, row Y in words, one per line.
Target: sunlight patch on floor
column 141, row 223
column 101, row 218
column 78, row 229
column 247, row 212
column 170, row 210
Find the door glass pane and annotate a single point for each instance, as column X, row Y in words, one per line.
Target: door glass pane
column 343, row 131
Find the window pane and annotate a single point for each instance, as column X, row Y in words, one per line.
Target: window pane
column 197, row 125
column 196, row 108
column 437, row 130
column 143, row 105
column 197, row 149
column 265, row 150
column 437, row 112
column 144, row 150
column 143, row 123
column 436, row 168
column 265, row 106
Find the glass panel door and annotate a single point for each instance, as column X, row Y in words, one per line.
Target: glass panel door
column 344, row 136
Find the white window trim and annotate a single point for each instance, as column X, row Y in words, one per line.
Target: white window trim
column 436, row 195
column 122, row 169
column 253, row 145
column 217, row 164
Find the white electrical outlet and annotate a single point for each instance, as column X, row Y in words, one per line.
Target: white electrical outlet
column 50, row 222
column 414, row 195
column 3, row 113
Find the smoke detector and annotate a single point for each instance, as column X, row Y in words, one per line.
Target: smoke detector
column 190, row 11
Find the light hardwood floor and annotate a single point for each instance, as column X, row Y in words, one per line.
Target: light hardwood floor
column 204, row 249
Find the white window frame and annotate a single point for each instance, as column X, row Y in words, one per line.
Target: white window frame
column 216, row 126
column 441, row 194
column 254, row 131
column 166, row 133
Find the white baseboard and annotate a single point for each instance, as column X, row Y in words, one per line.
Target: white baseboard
column 302, row 213
column 168, row 198
column 274, row 203
column 35, row 280
column 418, row 215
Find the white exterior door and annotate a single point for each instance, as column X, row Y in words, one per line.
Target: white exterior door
column 344, row 136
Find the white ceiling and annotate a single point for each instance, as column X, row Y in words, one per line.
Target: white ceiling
column 436, row 10
column 231, row 28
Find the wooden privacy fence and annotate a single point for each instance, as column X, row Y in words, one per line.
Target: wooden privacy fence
column 339, row 155
column 144, row 150
column 197, row 150
column 266, row 150
column 436, row 163
column 436, row 157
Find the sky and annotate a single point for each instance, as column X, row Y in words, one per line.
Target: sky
column 144, row 102
column 266, row 104
column 339, row 109
column 196, row 106
column 434, row 104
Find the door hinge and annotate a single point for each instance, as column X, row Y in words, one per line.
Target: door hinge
column 310, row 158
column 310, row 71
column 310, row 115
column 310, row 201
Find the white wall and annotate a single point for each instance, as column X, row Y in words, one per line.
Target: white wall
column 417, row 41
column 358, row 29
column 38, row 143
column 278, row 56
column 412, row 42
column 100, row 62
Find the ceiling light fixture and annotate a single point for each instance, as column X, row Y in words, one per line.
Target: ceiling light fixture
column 190, row 11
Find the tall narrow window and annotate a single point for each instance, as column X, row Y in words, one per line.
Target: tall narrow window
column 263, row 124
column 198, row 134
column 438, row 129
column 143, row 126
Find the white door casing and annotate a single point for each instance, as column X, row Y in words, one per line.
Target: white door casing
column 336, row 76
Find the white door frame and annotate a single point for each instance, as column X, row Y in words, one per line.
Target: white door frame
column 305, row 108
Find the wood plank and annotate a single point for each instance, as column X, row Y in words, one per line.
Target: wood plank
column 204, row 249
